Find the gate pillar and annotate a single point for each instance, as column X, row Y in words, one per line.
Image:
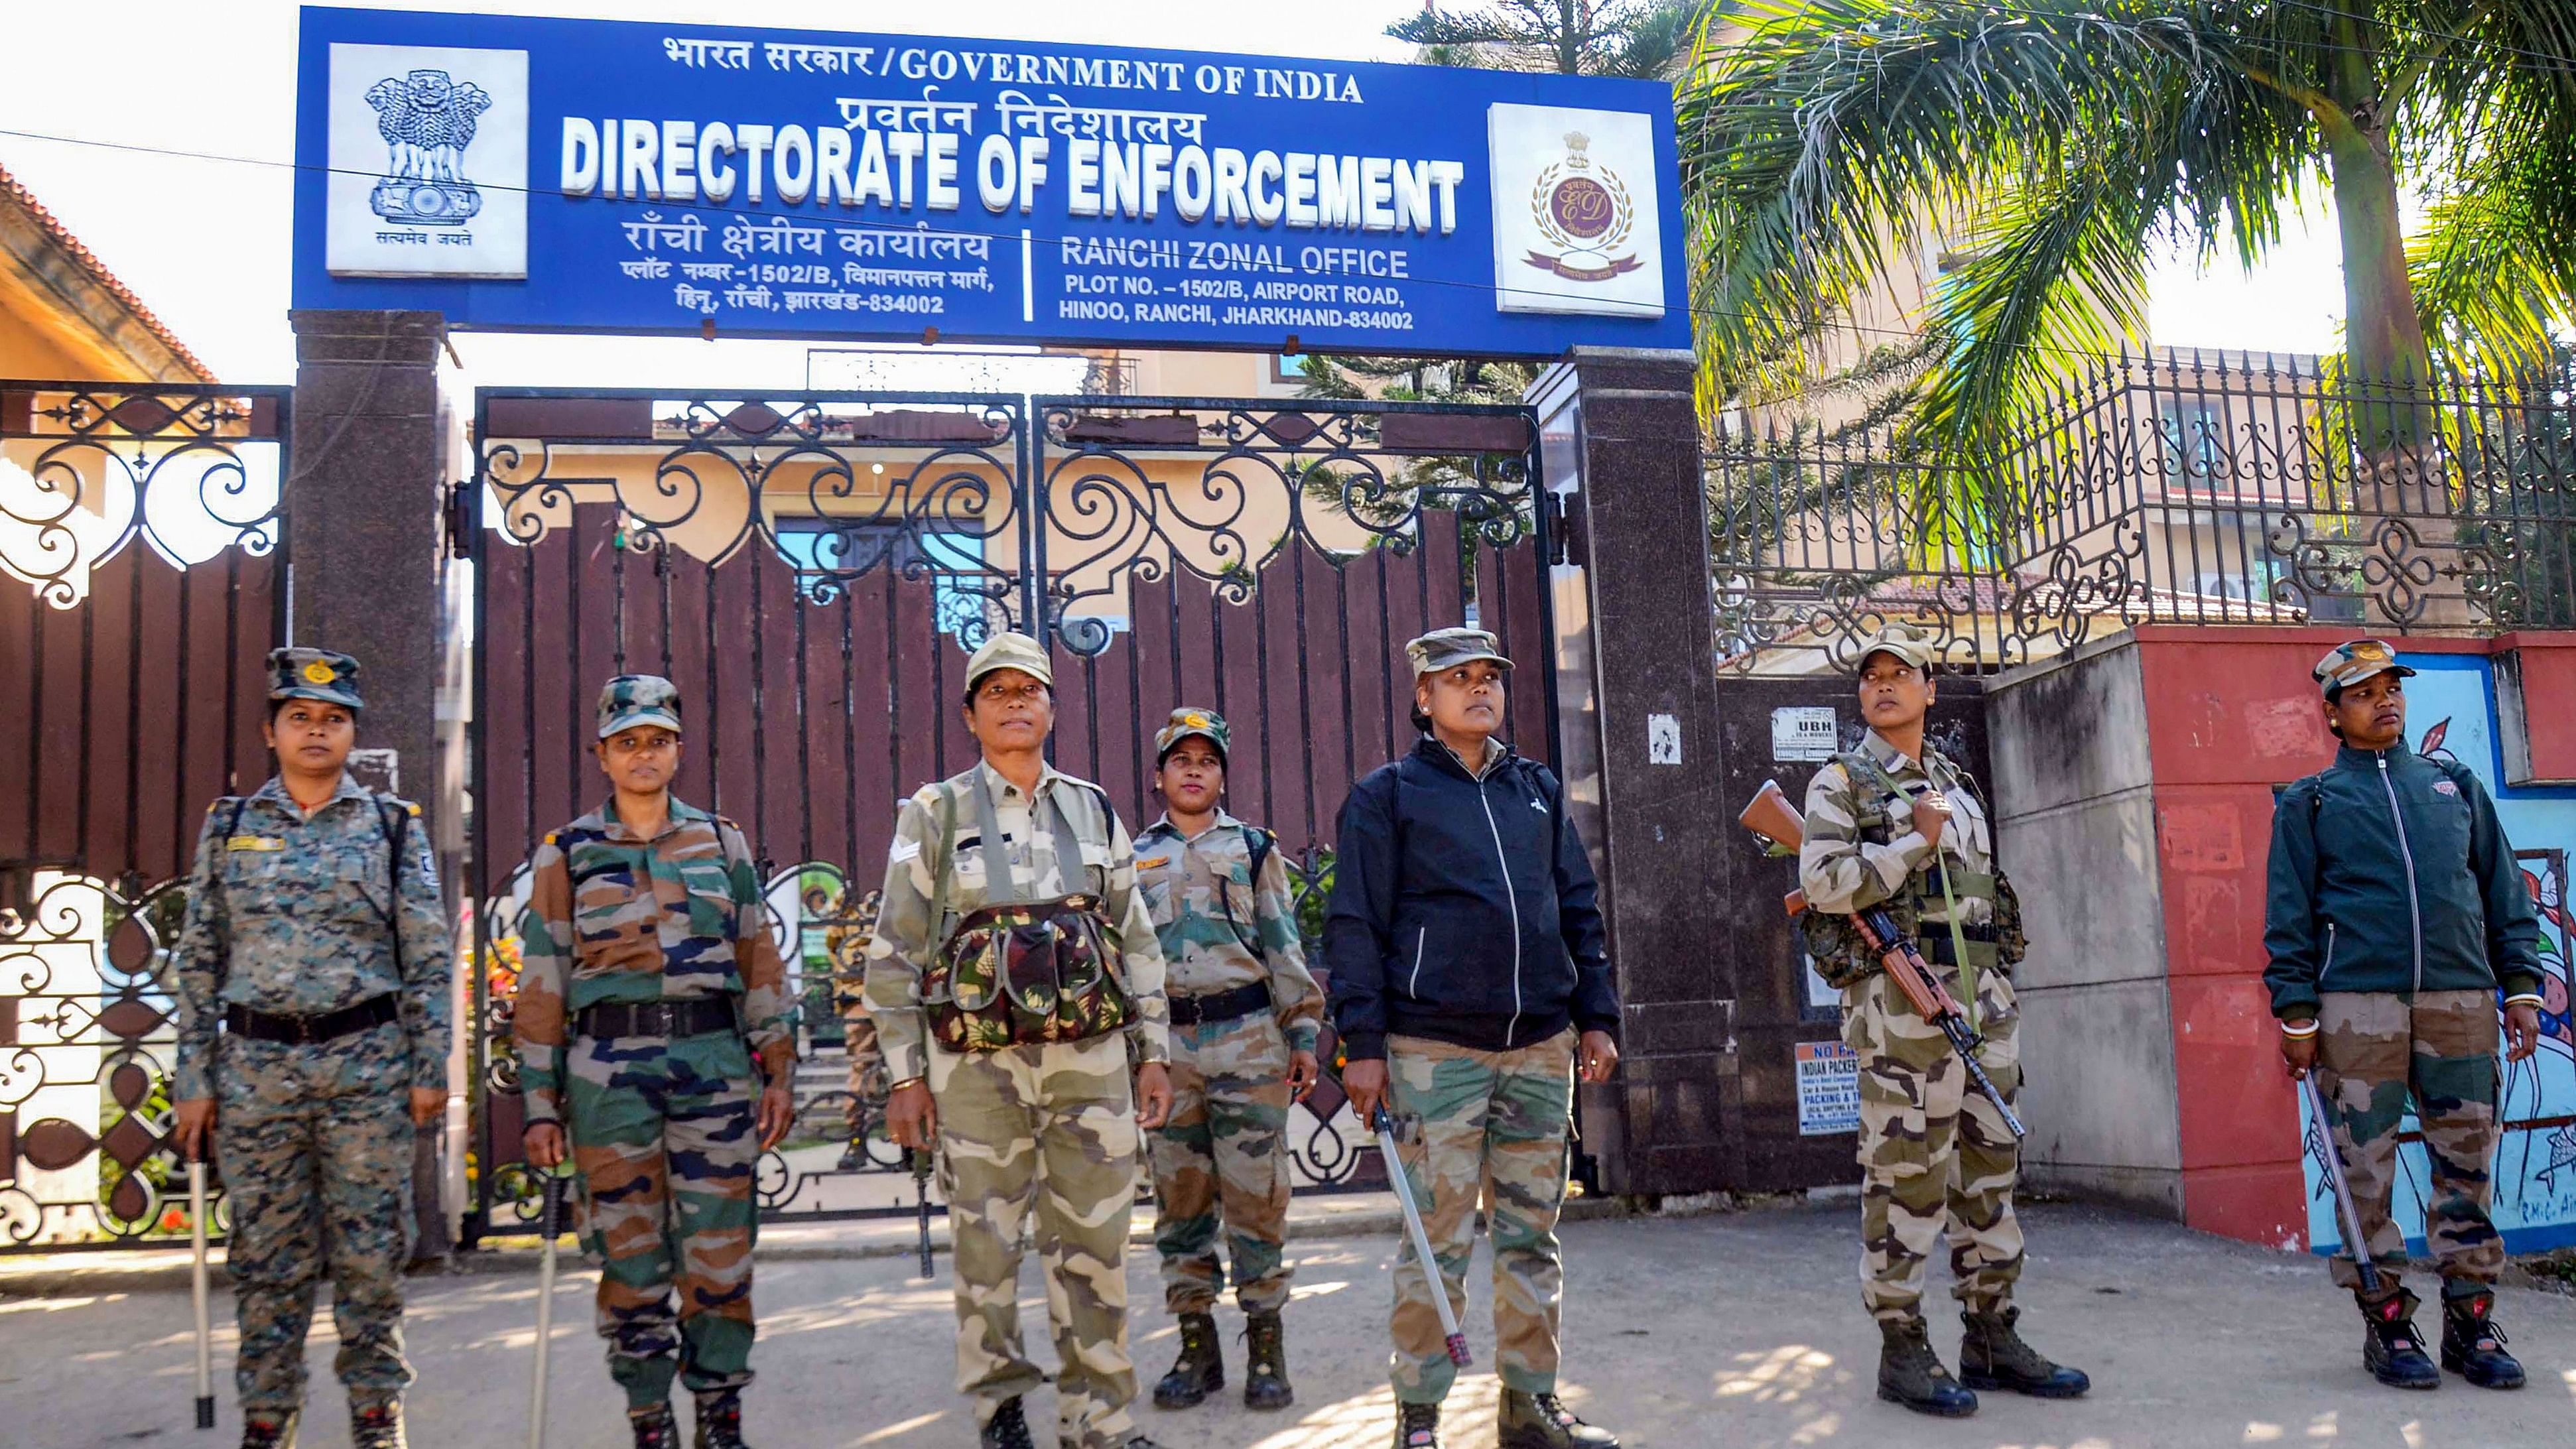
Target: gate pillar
column 365, row 547
column 364, row 523
column 1637, row 719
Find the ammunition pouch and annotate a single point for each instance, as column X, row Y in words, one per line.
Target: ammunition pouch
column 1841, row 959
column 1024, row 975
column 1835, row 944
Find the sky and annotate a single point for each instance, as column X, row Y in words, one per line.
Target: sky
column 205, row 243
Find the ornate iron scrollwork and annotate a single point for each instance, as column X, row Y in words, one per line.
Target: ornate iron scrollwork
column 88, row 468
column 84, row 1086
column 2169, row 489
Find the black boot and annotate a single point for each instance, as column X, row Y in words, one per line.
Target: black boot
column 1007, row 1429
column 269, row 1430
column 2391, row 1348
column 1910, row 1373
column 1265, row 1369
column 1542, row 1421
column 2472, row 1345
column 1417, row 1426
column 1199, row 1371
column 853, row 1157
column 1992, row 1356
column 377, row 1426
column 654, row 1427
column 720, row 1421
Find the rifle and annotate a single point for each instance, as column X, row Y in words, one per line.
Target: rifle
column 2347, row 1216
column 921, row 1194
column 1772, row 817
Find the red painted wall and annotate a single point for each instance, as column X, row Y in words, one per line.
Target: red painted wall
column 2230, row 714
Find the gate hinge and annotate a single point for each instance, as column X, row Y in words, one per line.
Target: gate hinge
column 1560, row 528
column 457, row 518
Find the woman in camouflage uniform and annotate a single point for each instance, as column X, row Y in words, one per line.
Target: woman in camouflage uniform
column 1245, row 1018
column 317, row 940
column 652, row 1024
column 1894, row 822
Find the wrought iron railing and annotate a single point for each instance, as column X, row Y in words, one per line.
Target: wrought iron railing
column 2196, row 489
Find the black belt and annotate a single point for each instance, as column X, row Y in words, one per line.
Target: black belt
column 1936, row 945
column 695, row 1016
column 1233, row 1005
column 305, row 1030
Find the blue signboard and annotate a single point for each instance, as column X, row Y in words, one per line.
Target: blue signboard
column 575, row 175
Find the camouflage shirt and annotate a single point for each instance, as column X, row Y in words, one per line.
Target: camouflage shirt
column 845, row 941
column 292, row 914
column 1220, row 928
column 1842, row 873
column 612, row 918
column 906, row 938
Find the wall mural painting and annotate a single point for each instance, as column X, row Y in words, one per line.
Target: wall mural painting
column 2451, row 714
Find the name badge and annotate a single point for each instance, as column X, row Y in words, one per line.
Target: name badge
column 254, row 842
column 1154, row 862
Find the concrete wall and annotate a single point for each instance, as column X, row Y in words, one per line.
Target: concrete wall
column 2075, row 808
column 2134, row 784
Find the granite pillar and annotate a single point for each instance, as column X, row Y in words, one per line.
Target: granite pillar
column 1637, row 706
column 366, row 550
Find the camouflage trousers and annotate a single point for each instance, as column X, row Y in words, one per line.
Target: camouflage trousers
column 2374, row 1050
column 1054, row 1127
column 1481, row 1128
column 869, row 1085
column 1934, row 1153
column 1221, row 1157
column 663, row 1134
column 314, row 1143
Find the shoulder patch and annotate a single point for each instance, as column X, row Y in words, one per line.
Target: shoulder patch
column 414, row 809
column 552, row 836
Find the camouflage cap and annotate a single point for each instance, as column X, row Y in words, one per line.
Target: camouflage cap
column 638, row 699
column 313, row 674
column 2346, row 665
column 1904, row 642
column 1010, row 649
column 1448, row 648
column 1207, row 724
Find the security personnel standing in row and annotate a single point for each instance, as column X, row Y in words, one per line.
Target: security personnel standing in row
column 317, row 940
column 1896, row 823
column 1016, row 983
column 2396, row 917
column 1245, row 1017
column 652, row 1024
column 1471, row 981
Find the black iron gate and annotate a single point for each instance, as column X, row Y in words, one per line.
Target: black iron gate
column 812, row 569
column 142, row 569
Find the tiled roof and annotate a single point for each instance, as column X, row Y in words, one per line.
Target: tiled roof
column 16, row 191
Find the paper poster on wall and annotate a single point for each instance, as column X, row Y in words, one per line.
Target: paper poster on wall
column 1828, row 1089
column 1804, row 733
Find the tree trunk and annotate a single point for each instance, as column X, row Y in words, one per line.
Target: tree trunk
column 2398, row 483
column 2383, row 338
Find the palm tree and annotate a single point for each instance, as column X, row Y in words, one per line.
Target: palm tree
column 2051, row 148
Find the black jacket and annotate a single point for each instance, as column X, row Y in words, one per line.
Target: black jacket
column 2389, row 872
column 1463, row 910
